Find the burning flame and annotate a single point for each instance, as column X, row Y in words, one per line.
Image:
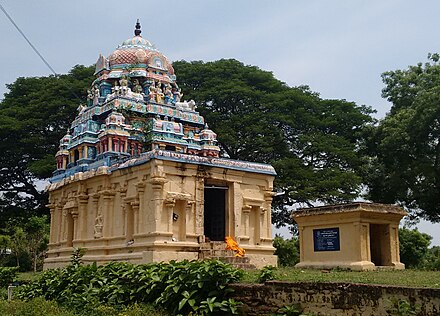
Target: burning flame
column 231, row 244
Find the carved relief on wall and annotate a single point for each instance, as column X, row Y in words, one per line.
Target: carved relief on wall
column 99, row 224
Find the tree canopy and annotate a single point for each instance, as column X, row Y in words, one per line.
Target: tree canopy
column 405, row 147
column 34, row 115
column 314, row 144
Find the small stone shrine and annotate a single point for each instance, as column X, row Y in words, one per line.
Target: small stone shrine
column 139, row 177
column 356, row 236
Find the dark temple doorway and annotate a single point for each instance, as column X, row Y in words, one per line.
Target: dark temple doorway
column 215, row 213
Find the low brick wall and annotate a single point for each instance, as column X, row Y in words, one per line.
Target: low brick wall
column 333, row 298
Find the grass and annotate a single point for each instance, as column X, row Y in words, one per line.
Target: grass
column 28, row 276
column 409, row 277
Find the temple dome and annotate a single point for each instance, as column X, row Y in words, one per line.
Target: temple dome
column 137, row 42
column 128, row 56
column 137, row 50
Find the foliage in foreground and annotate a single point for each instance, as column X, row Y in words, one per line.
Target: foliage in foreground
column 182, row 288
column 39, row 306
column 7, row 275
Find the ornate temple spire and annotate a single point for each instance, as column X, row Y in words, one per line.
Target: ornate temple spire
column 137, row 31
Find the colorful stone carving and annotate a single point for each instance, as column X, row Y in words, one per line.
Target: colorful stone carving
column 121, row 121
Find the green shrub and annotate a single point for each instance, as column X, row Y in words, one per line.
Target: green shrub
column 287, row 251
column 39, row 306
column 266, row 273
column 35, row 307
column 198, row 287
column 290, row 310
column 7, row 275
column 401, row 307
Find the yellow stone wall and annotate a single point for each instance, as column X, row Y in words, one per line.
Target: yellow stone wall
column 127, row 214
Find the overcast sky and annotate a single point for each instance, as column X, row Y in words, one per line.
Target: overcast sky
column 338, row 48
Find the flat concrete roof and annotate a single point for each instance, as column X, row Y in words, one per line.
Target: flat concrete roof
column 350, row 207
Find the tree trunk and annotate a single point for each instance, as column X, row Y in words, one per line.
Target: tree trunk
column 35, row 261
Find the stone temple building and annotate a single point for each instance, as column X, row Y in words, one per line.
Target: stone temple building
column 139, row 177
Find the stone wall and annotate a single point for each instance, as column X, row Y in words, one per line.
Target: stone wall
column 333, row 298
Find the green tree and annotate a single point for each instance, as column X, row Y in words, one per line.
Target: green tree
column 37, row 235
column 18, row 244
column 34, row 115
column 5, row 243
column 287, row 251
column 413, row 247
column 433, row 258
column 314, row 144
column 405, row 147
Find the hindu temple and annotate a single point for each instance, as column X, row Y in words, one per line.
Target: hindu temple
column 139, row 175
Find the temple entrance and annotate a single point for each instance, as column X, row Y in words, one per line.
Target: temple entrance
column 215, row 213
column 380, row 245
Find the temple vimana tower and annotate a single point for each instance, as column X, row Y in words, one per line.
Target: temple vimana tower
column 139, row 177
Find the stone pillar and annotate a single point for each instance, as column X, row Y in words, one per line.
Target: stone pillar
column 169, row 205
column 123, row 216
column 236, row 202
column 262, row 229
column 94, row 206
column 394, row 244
column 246, row 210
column 52, row 208
column 135, row 208
column 129, row 222
column 268, row 197
column 60, row 221
column 199, row 198
column 63, row 232
column 76, row 233
column 82, row 209
column 301, row 243
column 107, row 206
column 141, row 218
column 57, row 222
column 157, row 184
column 190, row 218
column 110, row 148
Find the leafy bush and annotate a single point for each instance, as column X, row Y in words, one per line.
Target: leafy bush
column 7, row 275
column 287, row 251
column 39, row 306
column 198, row 287
column 291, row 310
column 266, row 273
column 401, row 307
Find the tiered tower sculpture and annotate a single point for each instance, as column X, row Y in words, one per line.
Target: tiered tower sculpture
column 134, row 105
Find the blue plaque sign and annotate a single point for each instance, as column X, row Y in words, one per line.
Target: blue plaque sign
column 326, row 239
